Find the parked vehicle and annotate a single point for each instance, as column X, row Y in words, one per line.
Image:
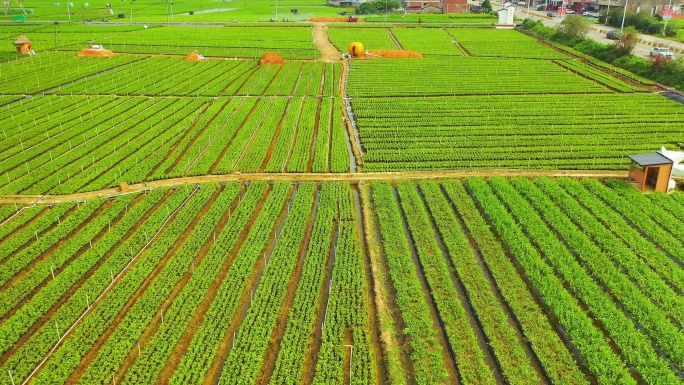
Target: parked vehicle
column 613, row 34
column 570, row 11
column 541, row 7
column 661, row 52
column 590, row 14
column 552, row 14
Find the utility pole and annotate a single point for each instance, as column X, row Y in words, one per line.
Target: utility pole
column 667, row 16
column 624, row 13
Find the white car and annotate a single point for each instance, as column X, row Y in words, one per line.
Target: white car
column 661, row 52
column 570, row 11
column 590, row 14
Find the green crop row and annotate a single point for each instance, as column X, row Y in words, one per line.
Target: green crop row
column 455, row 76
column 593, row 73
column 245, row 359
column 601, row 301
column 425, row 350
column 347, row 308
column 588, row 338
column 122, row 303
column 647, row 277
column 304, row 316
column 39, row 304
column 206, row 345
column 556, row 358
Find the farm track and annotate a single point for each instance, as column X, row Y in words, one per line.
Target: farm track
column 457, row 44
column 328, row 51
column 306, row 177
column 394, row 39
column 346, row 120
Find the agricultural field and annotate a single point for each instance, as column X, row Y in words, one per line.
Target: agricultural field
column 464, row 76
column 428, row 41
column 592, row 314
column 525, row 131
column 230, row 221
column 502, row 43
column 497, row 112
column 277, row 262
column 136, row 122
column 372, row 38
column 178, row 11
column 482, row 280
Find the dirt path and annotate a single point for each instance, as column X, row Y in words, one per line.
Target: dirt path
column 328, row 51
column 307, row 177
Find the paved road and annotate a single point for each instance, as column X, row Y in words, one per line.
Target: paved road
column 598, row 33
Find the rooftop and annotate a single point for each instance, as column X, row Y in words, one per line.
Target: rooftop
column 652, row 159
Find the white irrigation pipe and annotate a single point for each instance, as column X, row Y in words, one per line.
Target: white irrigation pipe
column 261, row 122
column 15, row 214
column 57, row 134
column 83, row 143
column 116, row 278
column 215, row 135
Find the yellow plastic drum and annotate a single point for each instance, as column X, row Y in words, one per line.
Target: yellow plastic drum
column 356, row 49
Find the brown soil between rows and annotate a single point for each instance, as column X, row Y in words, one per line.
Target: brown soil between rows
column 184, row 342
column 19, row 275
column 94, row 350
column 68, row 295
column 245, row 302
column 172, row 362
column 153, row 326
column 24, row 226
column 67, row 263
column 271, row 354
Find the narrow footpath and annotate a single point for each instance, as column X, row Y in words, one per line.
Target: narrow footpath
column 305, row 177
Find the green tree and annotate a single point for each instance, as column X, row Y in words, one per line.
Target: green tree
column 377, row 7
column 626, row 43
column 486, row 7
column 574, row 26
